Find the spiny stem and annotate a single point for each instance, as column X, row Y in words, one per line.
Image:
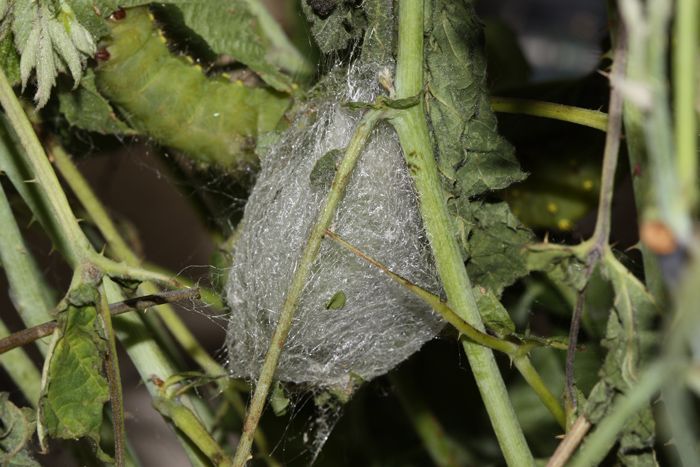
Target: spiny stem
column 517, row 352
column 685, row 84
column 566, row 113
column 410, row 124
column 115, row 385
column 77, row 244
column 598, row 243
column 299, row 281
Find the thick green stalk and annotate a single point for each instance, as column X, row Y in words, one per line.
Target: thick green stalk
column 412, row 129
column 21, row 369
column 566, row 113
column 44, row 175
column 323, row 221
column 25, row 280
column 685, row 84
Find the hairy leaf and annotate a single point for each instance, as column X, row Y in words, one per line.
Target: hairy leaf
column 76, row 391
column 50, row 39
column 471, row 155
column 86, row 108
column 15, row 433
column 628, row 340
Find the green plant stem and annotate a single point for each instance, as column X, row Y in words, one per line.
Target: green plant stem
column 325, row 216
column 685, row 88
column 517, row 352
column 23, row 275
column 597, row 246
column 22, row 370
column 186, row 421
column 410, row 124
column 77, row 245
column 149, row 360
column 634, row 120
column 121, row 250
column 566, row 113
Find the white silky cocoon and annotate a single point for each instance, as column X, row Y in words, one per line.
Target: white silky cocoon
column 381, row 323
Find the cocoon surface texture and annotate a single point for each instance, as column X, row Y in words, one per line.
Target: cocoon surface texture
column 381, row 323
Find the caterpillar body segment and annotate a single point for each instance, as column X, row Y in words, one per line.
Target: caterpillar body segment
column 212, row 120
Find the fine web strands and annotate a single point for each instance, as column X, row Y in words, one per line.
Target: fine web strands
column 381, row 324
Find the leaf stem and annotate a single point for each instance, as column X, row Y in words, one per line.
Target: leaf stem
column 115, row 384
column 597, row 245
column 352, row 155
column 410, row 124
column 685, row 83
column 566, row 113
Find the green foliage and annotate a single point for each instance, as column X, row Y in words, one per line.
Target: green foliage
column 17, row 429
column 629, row 341
column 76, row 389
column 472, row 157
column 50, row 39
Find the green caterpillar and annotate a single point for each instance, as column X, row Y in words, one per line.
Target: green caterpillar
column 212, row 120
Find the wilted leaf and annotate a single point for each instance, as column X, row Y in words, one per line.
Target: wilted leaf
column 85, row 108
column 16, row 431
column 472, row 156
column 72, row 401
column 628, row 340
column 563, row 263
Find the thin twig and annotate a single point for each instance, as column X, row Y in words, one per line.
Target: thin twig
column 601, row 234
column 569, row 444
column 141, row 303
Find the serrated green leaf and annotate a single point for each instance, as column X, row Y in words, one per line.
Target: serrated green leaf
column 86, row 108
column 49, row 38
column 563, row 263
column 72, row 401
column 16, row 431
column 472, row 156
column 494, row 241
column 493, row 312
column 628, row 340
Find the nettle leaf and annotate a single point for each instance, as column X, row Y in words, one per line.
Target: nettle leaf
column 74, row 396
column 86, row 108
column 50, row 39
column 17, row 429
column 471, row 154
column 562, row 263
column 629, row 340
